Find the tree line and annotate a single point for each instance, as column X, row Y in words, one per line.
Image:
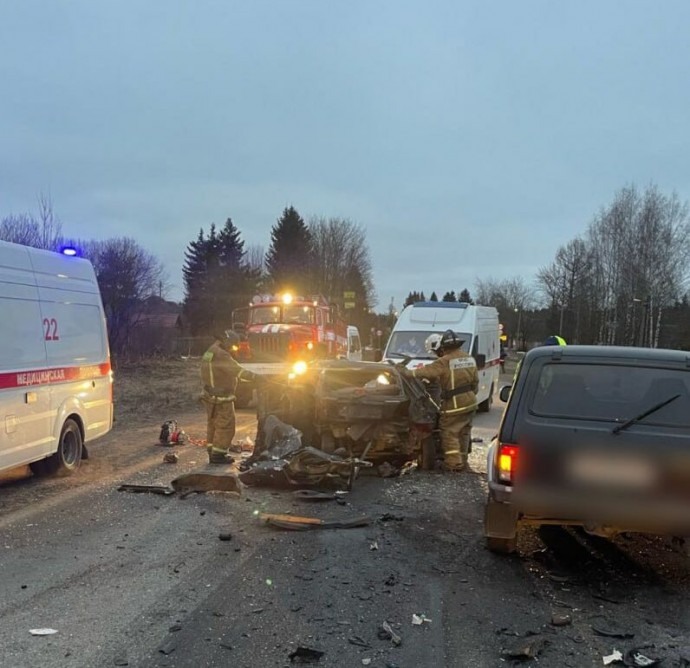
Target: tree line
column 623, row 281
column 326, row 256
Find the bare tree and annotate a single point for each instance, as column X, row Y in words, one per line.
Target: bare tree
column 640, row 246
column 42, row 231
column 127, row 275
column 342, row 262
column 566, row 285
column 20, row 229
column 512, row 297
column 50, row 227
column 255, row 258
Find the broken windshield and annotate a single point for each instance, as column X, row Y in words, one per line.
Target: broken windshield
column 411, row 344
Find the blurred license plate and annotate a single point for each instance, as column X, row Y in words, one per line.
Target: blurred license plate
column 622, row 471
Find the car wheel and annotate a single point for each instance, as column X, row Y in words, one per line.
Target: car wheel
column 485, row 406
column 68, row 456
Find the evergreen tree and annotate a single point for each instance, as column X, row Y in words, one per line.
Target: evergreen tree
column 195, row 283
column 449, row 297
column 413, row 297
column 289, row 259
column 433, row 297
column 465, row 297
column 217, row 279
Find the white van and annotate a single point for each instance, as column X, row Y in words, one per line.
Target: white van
column 354, row 344
column 477, row 326
column 55, row 377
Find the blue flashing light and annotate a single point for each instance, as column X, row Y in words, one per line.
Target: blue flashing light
column 71, row 251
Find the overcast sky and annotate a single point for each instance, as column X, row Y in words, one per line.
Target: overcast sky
column 470, row 139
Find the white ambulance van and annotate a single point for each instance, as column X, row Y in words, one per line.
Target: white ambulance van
column 354, row 344
column 477, row 326
column 55, row 376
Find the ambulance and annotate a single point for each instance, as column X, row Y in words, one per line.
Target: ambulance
column 476, row 326
column 55, row 375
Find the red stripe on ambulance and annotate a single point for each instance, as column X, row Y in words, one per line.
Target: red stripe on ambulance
column 53, row 376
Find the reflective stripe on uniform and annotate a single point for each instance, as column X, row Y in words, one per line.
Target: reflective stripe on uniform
column 452, row 383
column 208, row 358
column 451, row 452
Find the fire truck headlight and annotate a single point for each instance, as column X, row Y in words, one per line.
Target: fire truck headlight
column 299, row 368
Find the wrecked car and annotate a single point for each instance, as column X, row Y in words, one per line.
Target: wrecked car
column 364, row 410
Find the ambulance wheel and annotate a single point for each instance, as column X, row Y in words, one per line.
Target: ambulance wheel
column 68, row 456
column 485, row 406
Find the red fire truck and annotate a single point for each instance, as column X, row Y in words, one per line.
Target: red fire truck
column 278, row 330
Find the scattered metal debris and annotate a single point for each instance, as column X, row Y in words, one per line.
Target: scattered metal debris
column 314, row 495
column 42, row 632
column 614, row 657
column 561, row 620
column 199, row 483
column 634, row 657
column 609, row 629
column 297, row 523
column 170, row 458
column 390, row 633
column 359, row 642
column 152, row 489
column 526, row 648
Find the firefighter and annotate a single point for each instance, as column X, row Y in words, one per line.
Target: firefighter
column 220, row 374
column 456, row 372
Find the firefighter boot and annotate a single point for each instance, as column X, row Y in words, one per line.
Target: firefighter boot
column 218, row 456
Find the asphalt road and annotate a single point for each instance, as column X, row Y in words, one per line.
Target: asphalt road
column 144, row 580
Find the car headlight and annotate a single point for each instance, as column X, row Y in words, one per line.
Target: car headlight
column 299, row 368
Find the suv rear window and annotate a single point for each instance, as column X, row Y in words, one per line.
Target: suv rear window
column 612, row 392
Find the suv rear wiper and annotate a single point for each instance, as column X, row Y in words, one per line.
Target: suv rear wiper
column 641, row 416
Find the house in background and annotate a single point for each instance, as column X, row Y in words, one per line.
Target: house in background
column 156, row 328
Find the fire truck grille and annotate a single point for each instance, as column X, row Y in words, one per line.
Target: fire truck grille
column 268, row 347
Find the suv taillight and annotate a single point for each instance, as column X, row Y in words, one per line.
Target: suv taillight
column 507, row 462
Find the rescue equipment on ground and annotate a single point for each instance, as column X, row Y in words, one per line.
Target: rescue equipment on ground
column 171, row 434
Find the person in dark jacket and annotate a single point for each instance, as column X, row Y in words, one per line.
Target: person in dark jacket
column 456, row 372
column 220, row 374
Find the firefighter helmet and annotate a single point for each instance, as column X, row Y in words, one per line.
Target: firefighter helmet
column 433, row 343
column 450, row 340
column 228, row 338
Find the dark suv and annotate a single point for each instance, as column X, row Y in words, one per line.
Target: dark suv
column 592, row 436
